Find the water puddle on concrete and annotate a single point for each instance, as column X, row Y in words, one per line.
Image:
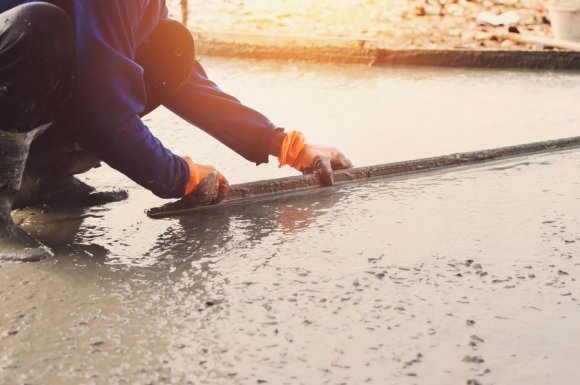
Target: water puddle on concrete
column 446, row 277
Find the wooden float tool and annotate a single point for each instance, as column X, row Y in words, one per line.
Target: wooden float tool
column 246, row 193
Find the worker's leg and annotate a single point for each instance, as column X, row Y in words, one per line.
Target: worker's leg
column 35, row 60
column 167, row 59
column 36, row 43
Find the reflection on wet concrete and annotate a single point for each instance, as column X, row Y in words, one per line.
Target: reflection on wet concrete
column 448, row 276
column 464, row 275
column 190, row 237
column 200, row 235
column 59, row 227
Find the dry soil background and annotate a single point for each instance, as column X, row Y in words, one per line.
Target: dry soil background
column 396, row 23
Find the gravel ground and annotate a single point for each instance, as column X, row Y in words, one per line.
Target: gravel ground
column 396, row 23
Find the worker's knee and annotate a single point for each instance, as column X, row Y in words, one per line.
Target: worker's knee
column 41, row 31
column 168, row 59
column 173, row 40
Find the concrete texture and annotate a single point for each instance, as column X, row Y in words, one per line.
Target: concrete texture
column 452, row 277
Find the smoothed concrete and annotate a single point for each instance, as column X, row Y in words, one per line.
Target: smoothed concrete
column 450, row 277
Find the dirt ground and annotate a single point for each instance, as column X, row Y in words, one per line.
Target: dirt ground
column 443, row 24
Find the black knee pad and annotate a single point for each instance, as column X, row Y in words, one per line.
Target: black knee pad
column 177, row 35
column 167, row 58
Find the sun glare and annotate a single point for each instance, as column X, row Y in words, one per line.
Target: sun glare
column 298, row 5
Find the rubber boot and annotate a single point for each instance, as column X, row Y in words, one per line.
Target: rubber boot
column 15, row 243
column 49, row 179
column 49, row 176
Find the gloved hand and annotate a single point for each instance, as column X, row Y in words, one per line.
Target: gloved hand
column 206, row 186
column 309, row 158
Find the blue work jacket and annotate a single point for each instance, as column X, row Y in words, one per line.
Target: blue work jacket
column 109, row 94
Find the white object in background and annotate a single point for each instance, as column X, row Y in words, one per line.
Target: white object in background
column 506, row 18
column 565, row 18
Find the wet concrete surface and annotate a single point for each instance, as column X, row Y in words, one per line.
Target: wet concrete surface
column 445, row 278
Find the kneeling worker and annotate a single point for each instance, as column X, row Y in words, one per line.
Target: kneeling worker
column 86, row 72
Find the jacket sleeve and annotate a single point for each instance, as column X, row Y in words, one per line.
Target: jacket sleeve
column 244, row 130
column 109, row 94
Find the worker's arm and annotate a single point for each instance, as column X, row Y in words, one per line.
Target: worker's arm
column 201, row 102
column 109, row 95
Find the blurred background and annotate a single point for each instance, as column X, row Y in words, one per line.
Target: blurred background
column 446, row 24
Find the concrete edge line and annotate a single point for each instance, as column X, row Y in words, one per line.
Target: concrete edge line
column 370, row 52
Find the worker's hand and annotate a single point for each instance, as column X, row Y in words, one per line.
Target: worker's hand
column 309, row 158
column 206, row 186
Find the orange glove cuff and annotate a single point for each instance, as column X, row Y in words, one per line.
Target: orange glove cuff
column 194, row 176
column 293, row 144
